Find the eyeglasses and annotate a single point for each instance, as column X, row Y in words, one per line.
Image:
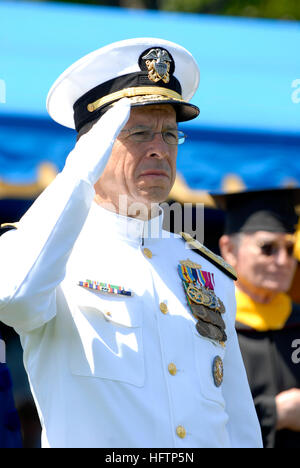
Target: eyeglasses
column 171, row 137
column 272, row 248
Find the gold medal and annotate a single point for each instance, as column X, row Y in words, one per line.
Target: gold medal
column 220, row 306
column 205, row 306
column 209, row 331
column 200, row 296
column 208, row 315
column 218, row 371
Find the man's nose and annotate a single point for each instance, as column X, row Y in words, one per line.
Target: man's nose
column 159, row 148
column 282, row 256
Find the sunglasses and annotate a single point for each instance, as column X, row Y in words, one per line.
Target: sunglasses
column 272, row 248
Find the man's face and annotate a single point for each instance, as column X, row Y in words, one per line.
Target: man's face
column 144, row 171
column 265, row 260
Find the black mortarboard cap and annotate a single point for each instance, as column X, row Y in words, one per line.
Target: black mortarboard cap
column 261, row 210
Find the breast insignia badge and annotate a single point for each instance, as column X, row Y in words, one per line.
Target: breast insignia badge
column 105, row 288
column 204, row 304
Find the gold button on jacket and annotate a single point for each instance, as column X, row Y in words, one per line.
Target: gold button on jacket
column 163, row 308
column 147, row 252
column 172, row 368
column 181, row 432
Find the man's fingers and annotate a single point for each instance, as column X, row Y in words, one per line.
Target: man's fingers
column 112, row 122
column 91, row 153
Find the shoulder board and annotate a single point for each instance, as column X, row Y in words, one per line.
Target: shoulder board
column 7, row 227
column 216, row 260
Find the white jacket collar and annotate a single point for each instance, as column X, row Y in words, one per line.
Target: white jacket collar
column 109, row 223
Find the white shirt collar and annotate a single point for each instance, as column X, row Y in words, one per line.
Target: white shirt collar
column 135, row 230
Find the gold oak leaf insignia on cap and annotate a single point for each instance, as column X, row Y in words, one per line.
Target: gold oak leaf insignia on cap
column 158, row 64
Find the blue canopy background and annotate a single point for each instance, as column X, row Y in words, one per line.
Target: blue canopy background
column 250, row 118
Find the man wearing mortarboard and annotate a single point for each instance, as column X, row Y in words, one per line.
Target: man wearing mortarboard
column 259, row 241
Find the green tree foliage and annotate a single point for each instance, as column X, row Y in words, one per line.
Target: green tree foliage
column 279, row 9
column 276, row 9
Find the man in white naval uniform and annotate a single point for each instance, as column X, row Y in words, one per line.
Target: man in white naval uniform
column 125, row 368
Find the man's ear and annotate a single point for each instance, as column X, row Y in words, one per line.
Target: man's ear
column 228, row 250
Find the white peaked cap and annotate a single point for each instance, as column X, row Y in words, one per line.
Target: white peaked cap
column 147, row 70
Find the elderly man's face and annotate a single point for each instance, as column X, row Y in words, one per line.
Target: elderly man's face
column 143, row 171
column 265, row 260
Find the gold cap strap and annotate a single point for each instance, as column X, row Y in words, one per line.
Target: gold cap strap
column 131, row 92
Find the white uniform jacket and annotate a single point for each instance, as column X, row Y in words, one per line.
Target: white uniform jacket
column 98, row 364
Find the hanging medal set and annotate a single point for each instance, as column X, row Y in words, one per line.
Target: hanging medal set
column 205, row 306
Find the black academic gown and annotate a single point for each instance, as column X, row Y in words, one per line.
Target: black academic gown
column 272, row 361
